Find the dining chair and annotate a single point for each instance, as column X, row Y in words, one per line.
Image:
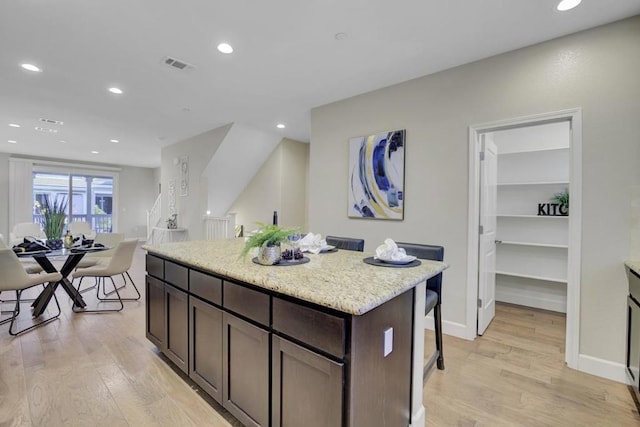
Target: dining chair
column 25, row 229
column 433, row 298
column 347, row 243
column 81, row 229
column 119, row 264
column 15, row 278
column 29, row 264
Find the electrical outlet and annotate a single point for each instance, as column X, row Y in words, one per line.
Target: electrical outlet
column 388, row 341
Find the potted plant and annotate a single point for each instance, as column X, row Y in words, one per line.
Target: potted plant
column 562, row 199
column 267, row 239
column 53, row 218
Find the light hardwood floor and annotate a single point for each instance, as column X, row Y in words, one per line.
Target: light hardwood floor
column 99, row 369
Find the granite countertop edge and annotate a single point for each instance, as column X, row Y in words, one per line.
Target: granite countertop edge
column 369, row 286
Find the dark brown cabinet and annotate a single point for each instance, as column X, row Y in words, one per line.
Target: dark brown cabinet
column 246, row 371
column 307, row 387
column 205, row 347
column 154, row 310
column 177, row 327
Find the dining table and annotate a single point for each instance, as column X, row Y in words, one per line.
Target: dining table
column 71, row 258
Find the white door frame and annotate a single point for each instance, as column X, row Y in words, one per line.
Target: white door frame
column 574, row 116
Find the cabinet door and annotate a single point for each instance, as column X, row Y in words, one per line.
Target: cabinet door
column 307, row 387
column 205, row 347
column 245, row 371
column 154, row 309
column 177, row 324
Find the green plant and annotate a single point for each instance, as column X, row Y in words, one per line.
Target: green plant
column 267, row 235
column 561, row 198
column 53, row 216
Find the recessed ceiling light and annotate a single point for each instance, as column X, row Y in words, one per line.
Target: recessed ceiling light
column 95, row 152
column 13, row 125
column 280, row 126
column 340, row 36
column 225, row 48
column 567, row 4
column 63, row 142
column 115, row 90
column 115, row 141
column 11, row 141
column 31, row 67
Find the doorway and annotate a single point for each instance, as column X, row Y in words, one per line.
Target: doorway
column 523, row 249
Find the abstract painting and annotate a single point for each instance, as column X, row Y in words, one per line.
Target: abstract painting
column 376, row 176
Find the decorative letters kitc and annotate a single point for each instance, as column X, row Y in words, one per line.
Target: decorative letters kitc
column 552, row 209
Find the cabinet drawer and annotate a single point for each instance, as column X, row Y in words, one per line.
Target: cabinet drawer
column 155, row 266
column 320, row 330
column 205, row 286
column 247, row 302
column 177, row 275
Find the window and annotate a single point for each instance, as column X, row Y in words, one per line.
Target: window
column 91, row 197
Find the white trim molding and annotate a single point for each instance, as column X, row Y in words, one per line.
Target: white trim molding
column 603, row 368
column 458, row 330
column 574, row 116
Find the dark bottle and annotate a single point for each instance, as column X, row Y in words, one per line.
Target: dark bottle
column 275, row 217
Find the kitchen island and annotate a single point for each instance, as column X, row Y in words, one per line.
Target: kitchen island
column 334, row 341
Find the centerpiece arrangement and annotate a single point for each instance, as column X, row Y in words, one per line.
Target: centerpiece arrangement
column 53, row 218
column 268, row 239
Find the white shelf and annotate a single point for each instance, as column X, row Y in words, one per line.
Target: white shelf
column 534, row 183
column 534, row 150
column 533, row 216
column 541, row 245
column 527, row 276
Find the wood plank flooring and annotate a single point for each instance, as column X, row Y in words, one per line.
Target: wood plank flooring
column 515, row 375
column 100, row 370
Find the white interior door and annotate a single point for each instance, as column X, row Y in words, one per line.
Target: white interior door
column 487, row 240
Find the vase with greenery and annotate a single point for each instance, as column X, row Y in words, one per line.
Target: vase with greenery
column 54, row 214
column 267, row 239
column 562, row 199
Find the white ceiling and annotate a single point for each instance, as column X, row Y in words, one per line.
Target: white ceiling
column 286, row 61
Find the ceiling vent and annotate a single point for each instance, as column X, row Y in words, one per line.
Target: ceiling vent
column 46, row 130
column 176, row 63
column 52, row 122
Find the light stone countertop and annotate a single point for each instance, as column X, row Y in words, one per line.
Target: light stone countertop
column 338, row 280
column 633, row 264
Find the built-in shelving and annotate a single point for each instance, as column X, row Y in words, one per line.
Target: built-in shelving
column 529, row 276
column 534, row 183
column 532, row 250
column 541, row 245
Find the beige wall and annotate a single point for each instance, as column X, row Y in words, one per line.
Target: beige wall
column 280, row 185
column 596, row 70
column 191, row 208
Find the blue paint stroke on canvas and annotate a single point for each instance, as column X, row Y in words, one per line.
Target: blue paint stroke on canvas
column 376, row 176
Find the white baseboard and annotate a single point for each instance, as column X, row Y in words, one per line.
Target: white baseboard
column 452, row 328
column 603, row 368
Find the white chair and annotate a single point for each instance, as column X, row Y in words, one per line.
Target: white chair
column 119, row 264
column 81, row 228
column 109, row 240
column 25, row 229
column 29, row 265
column 15, row 278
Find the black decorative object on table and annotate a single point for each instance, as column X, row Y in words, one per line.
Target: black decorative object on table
column 290, row 254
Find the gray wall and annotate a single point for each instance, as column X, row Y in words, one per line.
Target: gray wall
column 597, row 70
column 137, row 190
column 191, row 208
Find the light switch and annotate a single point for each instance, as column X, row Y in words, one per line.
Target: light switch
column 388, row 341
